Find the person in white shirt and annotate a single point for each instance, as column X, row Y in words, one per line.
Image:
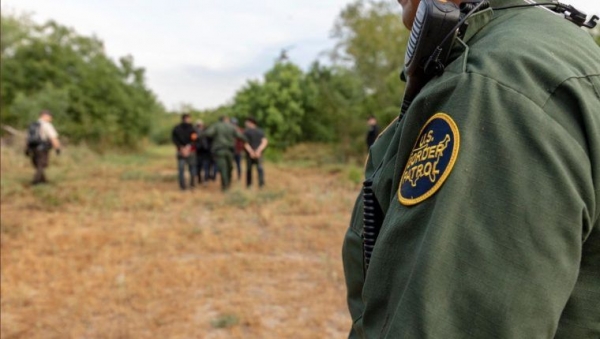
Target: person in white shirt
column 40, row 153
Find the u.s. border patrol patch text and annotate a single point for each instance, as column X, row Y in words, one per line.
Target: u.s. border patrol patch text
column 430, row 161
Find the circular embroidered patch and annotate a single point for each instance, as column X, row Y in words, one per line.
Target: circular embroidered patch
column 430, row 161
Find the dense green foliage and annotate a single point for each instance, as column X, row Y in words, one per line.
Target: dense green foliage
column 92, row 98
column 336, row 111
column 277, row 102
column 372, row 41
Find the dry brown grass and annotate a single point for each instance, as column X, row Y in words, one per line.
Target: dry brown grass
column 112, row 249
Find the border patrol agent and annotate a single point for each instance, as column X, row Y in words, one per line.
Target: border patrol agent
column 223, row 135
column 489, row 192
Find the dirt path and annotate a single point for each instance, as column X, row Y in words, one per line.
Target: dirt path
column 113, row 249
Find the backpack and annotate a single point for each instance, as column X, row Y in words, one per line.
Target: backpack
column 34, row 135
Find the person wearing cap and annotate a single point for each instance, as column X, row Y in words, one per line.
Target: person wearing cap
column 257, row 142
column 40, row 153
column 223, row 135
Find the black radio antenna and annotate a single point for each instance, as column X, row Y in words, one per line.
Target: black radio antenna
column 434, row 60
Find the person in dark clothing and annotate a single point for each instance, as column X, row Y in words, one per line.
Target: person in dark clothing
column 184, row 136
column 257, row 142
column 373, row 132
column 203, row 155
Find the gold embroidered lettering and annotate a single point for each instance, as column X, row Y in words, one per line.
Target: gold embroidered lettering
column 423, row 160
column 427, row 169
column 426, row 139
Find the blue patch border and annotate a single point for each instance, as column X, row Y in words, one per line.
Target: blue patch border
column 456, row 139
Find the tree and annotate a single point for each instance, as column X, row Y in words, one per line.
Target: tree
column 371, row 42
column 48, row 98
column 95, row 99
column 333, row 110
column 276, row 102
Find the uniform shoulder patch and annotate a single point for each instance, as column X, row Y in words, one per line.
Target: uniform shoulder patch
column 431, row 160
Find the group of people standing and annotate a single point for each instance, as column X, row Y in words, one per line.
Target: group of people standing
column 208, row 150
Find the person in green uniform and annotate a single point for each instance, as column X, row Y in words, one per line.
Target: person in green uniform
column 488, row 189
column 223, row 135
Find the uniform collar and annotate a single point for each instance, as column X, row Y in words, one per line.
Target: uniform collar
column 503, row 3
column 482, row 18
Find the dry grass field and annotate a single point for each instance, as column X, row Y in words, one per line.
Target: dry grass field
column 112, row 249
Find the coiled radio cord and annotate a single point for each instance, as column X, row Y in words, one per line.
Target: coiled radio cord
column 372, row 221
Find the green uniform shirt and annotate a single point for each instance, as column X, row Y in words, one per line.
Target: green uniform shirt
column 490, row 187
column 224, row 135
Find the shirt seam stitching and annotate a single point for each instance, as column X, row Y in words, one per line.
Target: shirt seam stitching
column 541, row 107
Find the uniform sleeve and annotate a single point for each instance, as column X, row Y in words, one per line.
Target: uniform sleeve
column 496, row 251
column 581, row 316
column 353, row 269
